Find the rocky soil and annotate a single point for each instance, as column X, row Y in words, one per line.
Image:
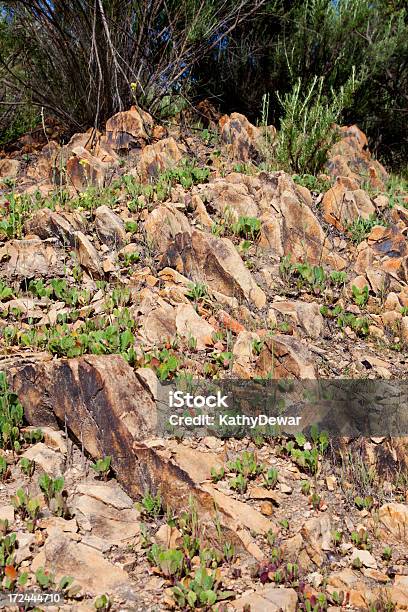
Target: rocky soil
column 151, row 253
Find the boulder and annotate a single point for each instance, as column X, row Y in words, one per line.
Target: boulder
column 243, row 140
column 269, row 598
column 128, row 130
column 216, row 262
column 284, row 357
column 345, row 202
column 190, row 325
column 49, row 224
column 394, row 517
column 20, row 259
column 87, row 255
column 160, row 156
column 9, row 168
column 109, row 227
column 84, row 170
column 163, row 224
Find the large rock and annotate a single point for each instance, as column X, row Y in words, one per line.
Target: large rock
column 190, row 325
column 160, row 156
column 106, row 511
column 107, row 408
column 394, row 517
column 163, row 224
column 87, row 255
column 284, row 357
column 345, row 202
column 87, row 566
column 216, row 262
column 305, row 314
column 350, row 157
column 49, row 224
column 244, row 141
column 9, row 168
column 110, row 227
column 20, row 259
column 268, row 598
column 101, row 400
column 129, row 129
column 84, row 170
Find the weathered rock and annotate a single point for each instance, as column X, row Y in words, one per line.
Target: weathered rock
column 88, row 567
column 243, row 140
column 9, row 168
column 350, row 157
column 268, row 598
column 160, row 156
column 101, row 399
column 190, row 325
column 84, row 169
column 106, row 511
column 22, row 259
column 394, row 517
column 162, row 226
column 365, row 557
column 284, row 357
column 216, row 261
column 243, row 353
column 48, row 224
column 110, row 227
column 129, row 129
column 87, row 255
column 345, row 202
column 47, row 459
column 306, row 314
column 316, row 533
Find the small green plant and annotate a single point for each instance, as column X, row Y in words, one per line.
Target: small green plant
column 46, row 580
column 102, row 603
column 271, row 478
column 4, row 468
column 217, row 475
column 387, row 553
column 360, row 296
column 247, row 227
column 246, row 465
column 197, row 291
column 239, row 483
column 305, row 487
column 338, row 278
column 316, row 501
column 27, row 466
column 151, row 505
column 360, row 228
column 102, row 467
column 53, row 489
column 28, row 508
column 5, row 292
column 356, row 563
column 360, row 540
column 203, row 591
column 11, row 417
column 336, row 537
column 364, row 503
column 170, row 562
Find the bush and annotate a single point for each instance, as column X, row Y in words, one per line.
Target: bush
column 308, row 129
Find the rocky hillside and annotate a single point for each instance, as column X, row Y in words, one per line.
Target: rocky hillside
column 151, row 253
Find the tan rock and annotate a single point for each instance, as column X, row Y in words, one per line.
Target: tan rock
column 345, row 202
column 87, row 566
column 9, row 168
column 316, row 533
column 87, row 255
column 48, row 224
column 160, row 156
column 284, row 357
column 365, row 557
column 84, row 170
column 168, row 537
column 268, row 598
column 243, row 140
column 128, row 129
column 190, row 325
column 48, row 460
column 394, row 517
column 243, row 353
column 109, row 227
column 28, row 258
column 404, row 329
column 163, row 225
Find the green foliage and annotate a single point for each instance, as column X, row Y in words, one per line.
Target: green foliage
column 102, row 466
column 307, row 129
column 46, row 580
column 53, row 489
column 169, row 561
column 27, row 466
column 5, row 292
column 359, row 229
column 202, row 591
column 299, row 449
column 102, row 602
column 271, row 478
column 11, row 417
column 364, row 503
column 27, row 507
column 311, row 182
column 217, row 475
column 151, row 505
column 360, row 296
column 360, row 325
column 239, row 483
column 246, row 465
column 4, row 469
column 247, row 227
column 197, row 291
column 387, row 553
